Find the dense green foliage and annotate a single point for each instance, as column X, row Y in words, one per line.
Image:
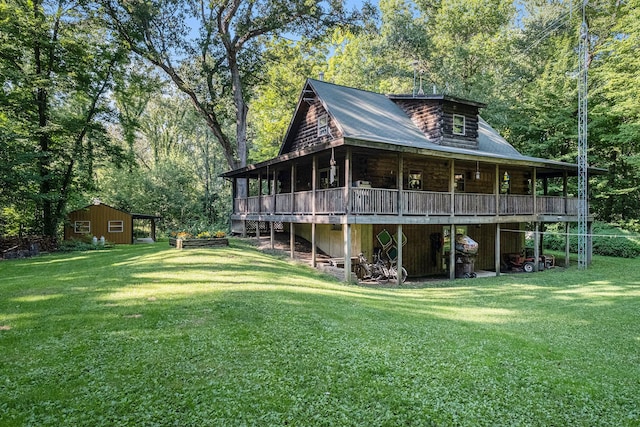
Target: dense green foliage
column 148, row 335
column 85, row 110
column 607, row 240
column 57, row 65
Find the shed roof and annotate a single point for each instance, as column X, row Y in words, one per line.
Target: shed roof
column 133, row 215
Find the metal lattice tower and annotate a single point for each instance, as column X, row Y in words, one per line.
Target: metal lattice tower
column 583, row 210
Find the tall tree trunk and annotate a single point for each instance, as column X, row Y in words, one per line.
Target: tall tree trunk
column 44, row 137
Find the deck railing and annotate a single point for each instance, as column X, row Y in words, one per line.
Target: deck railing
column 374, row 201
column 379, row 201
column 421, row 202
column 475, row 204
column 330, row 201
column 516, row 204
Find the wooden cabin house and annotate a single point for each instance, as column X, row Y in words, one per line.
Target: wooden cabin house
column 101, row 220
column 355, row 165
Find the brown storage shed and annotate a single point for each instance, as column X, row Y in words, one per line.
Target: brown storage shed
column 101, row 220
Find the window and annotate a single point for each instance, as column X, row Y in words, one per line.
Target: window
column 325, row 176
column 505, row 184
column 415, row 180
column 459, row 177
column 116, row 226
column 323, row 125
column 82, row 227
column 458, row 124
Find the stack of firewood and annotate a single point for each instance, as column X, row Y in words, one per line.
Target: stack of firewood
column 21, row 247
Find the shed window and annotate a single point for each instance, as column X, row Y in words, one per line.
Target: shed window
column 458, row 124
column 82, row 227
column 116, row 226
column 323, row 125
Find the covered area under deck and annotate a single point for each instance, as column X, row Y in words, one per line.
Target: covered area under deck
column 344, row 190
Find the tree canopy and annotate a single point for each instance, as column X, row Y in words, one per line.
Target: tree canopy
column 116, row 99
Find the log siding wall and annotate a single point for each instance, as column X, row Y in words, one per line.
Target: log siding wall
column 435, row 119
column 307, row 131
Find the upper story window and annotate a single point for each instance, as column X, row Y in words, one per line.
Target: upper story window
column 415, row 180
column 323, row 125
column 458, row 124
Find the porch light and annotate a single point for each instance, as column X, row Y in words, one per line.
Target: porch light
column 477, row 170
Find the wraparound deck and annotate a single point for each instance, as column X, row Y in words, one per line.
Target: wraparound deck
column 392, row 202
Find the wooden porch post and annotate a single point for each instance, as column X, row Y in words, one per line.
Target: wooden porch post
column 273, row 192
column 292, row 239
column 536, row 246
column 314, row 175
column 565, row 193
column 347, row 252
column 259, row 193
column 272, row 235
column 452, row 185
column 259, row 206
column 497, row 250
column 313, row 244
column 496, row 189
column 314, row 188
column 347, row 181
column 400, row 181
column 452, row 252
column 567, row 245
column 399, row 262
column 293, row 187
column 534, row 190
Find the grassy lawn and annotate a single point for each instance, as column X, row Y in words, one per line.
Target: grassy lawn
column 147, row 335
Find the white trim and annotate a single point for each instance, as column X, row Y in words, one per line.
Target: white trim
column 454, row 125
column 113, row 228
column 82, row 227
column 323, row 125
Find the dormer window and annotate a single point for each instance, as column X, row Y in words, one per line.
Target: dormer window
column 323, row 125
column 458, row 124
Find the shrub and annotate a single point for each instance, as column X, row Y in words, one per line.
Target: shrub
column 608, row 240
column 81, row 245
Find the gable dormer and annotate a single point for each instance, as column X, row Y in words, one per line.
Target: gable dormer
column 445, row 120
column 311, row 125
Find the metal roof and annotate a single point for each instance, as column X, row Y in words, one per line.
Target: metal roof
column 375, row 117
column 368, row 117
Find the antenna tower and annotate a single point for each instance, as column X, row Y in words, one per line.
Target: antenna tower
column 583, row 210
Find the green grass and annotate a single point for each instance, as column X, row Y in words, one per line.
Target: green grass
column 147, row 335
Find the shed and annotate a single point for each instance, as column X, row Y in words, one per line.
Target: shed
column 100, row 220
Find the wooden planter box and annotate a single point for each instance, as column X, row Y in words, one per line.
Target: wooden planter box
column 198, row 243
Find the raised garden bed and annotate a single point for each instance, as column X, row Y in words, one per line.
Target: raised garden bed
column 198, row 243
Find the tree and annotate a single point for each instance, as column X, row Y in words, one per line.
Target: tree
column 57, row 65
column 216, row 64
column 615, row 113
column 287, row 64
column 178, row 163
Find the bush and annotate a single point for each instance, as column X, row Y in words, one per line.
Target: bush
column 75, row 245
column 608, row 240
